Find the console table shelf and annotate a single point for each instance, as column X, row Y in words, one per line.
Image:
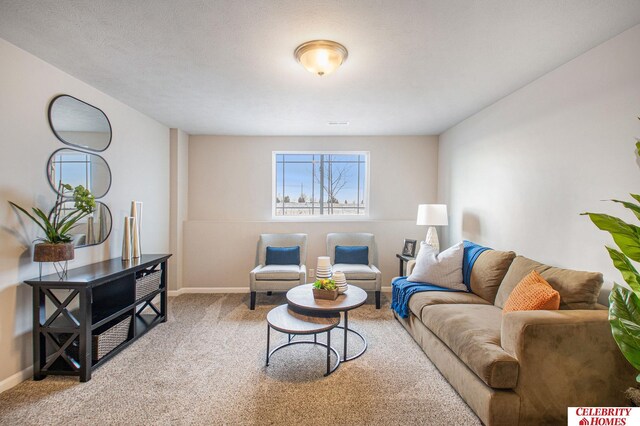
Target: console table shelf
column 95, row 299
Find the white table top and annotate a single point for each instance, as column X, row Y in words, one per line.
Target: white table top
column 302, row 297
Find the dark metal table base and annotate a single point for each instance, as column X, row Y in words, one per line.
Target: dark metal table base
column 308, row 342
column 346, row 329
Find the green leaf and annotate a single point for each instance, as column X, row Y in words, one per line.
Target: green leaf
column 626, row 268
column 50, row 230
column 71, row 223
column 624, row 317
column 36, row 221
column 636, row 197
column 625, row 235
column 631, row 206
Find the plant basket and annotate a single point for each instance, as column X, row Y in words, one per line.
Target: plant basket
column 325, row 294
column 48, row 252
column 110, row 339
column 148, row 284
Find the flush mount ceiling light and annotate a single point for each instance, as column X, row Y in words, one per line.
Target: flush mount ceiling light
column 321, row 57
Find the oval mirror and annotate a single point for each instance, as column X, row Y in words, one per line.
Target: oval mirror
column 79, row 124
column 74, row 167
column 91, row 230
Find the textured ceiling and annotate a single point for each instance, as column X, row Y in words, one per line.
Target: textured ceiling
column 227, row 67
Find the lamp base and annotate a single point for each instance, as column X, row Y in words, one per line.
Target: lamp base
column 432, row 238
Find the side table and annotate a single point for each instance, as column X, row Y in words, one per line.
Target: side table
column 284, row 320
column 403, row 260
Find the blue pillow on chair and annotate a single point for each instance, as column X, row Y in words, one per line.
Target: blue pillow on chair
column 352, row 255
column 283, row 255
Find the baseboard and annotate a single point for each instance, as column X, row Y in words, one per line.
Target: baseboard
column 16, row 379
column 207, row 290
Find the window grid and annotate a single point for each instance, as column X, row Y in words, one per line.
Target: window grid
column 330, row 174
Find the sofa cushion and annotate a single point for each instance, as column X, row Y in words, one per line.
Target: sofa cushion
column 578, row 289
column 488, row 272
column 442, row 269
column 283, row 255
column 472, row 332
column 352, row 255
column 355, row 272
column 418, row 301
column 278, row 273
column 533, row 293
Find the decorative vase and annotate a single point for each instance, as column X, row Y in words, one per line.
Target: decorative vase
column 136, row 214
column 325, row 294
column 90, row 239
column 126, row 239
column 135, row 238
column 48, row 252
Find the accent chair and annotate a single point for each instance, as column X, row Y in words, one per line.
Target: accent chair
column 274, row 272
column 363, row 274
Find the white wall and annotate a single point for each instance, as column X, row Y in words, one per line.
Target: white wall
column 139, row 161
column 230, row 182
column 517, row 174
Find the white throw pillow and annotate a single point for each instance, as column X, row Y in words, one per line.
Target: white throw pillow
column 444, row 269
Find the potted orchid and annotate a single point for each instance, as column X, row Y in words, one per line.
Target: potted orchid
column 57, row 245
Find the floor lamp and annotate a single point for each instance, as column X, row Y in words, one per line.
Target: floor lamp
column 432, row 215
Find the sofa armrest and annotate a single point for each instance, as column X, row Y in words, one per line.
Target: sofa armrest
column 375, row 269
column 566, row 358
column 303, row 274
column 252, row 277
column 410, row 265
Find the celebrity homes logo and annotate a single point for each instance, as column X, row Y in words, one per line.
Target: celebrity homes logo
column 603, row 416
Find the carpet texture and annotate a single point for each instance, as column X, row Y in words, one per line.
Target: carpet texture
column 205, row 365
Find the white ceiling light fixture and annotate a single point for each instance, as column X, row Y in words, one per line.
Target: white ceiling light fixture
column 321, row 57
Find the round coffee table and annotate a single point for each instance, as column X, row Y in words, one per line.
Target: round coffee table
column 301, row 298
column 285, row 320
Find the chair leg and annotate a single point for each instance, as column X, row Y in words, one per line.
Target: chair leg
column 377, row 300
column 252, row 303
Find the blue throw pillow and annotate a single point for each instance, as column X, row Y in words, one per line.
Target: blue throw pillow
column 352, row 255
column 283, row 255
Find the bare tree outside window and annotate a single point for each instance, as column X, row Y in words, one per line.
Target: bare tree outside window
column 310, row 184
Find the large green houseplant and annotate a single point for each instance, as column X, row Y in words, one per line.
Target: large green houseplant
column 56, row 245
column 624, row 303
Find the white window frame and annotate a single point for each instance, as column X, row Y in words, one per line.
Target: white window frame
column 317, row 217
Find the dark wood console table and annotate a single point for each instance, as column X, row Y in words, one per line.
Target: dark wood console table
column 68, row 314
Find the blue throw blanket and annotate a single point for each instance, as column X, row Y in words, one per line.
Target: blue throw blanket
column 471, row 253
column 403, row 289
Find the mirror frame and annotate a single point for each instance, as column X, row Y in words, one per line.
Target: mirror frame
column 110, row 228
column 61, row 139
column 55, row 189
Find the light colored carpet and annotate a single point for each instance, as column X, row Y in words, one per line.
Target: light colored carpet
column 206, row 366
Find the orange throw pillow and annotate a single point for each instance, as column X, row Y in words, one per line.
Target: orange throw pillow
column 533, row 293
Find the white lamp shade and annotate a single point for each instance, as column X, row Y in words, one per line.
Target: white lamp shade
column 432, row 215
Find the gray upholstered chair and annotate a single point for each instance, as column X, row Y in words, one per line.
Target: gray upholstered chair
column 268, row 278
column 367, row 277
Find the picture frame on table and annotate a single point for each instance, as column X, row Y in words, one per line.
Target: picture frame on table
column 409, row 248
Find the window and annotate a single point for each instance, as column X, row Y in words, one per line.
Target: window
column 320, row 184
column 73, row 168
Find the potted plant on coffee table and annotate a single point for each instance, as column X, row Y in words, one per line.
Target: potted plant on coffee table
column 57, row 245
column 325, row 289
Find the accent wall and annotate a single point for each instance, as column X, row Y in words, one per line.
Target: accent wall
column 517, row 175
column 230, row 187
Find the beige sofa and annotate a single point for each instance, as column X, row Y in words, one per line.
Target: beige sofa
column 526, row 367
